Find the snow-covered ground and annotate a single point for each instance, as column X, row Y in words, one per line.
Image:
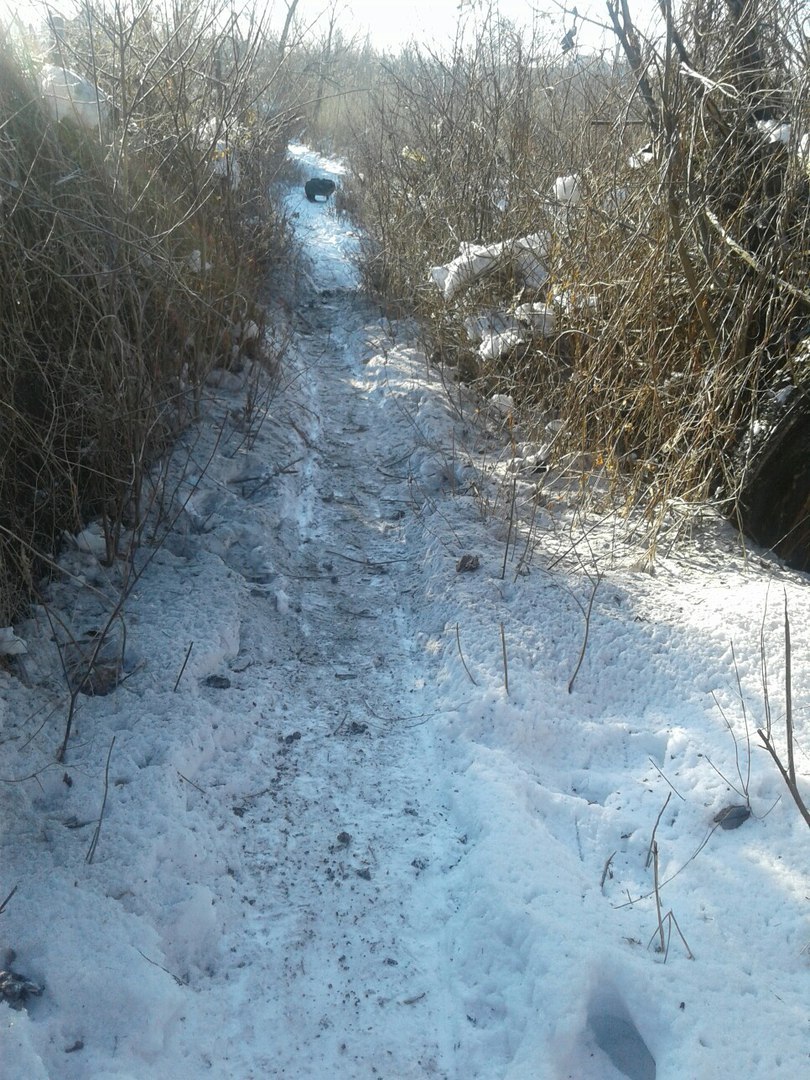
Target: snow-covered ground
column 335, row 843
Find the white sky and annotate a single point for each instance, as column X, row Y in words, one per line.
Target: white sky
column 391, row 24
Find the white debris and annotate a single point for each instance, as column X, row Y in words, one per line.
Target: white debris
column 566, row 190
column 530, row 253
column 493, row 346
column 640, row 158
column 539, row 317
column 569, row 300
column 68, row 96
column 503, row 404
column 225, row 166
column 493, row 322
column 527, row 255
column 220, row 136
column 774, row 131
column 246, row 331
column 90, row 541
column 472, row 262
column 10, row 644
column 195, row 262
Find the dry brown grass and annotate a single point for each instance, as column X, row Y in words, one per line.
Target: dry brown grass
column 685, row 281
column 109, row 322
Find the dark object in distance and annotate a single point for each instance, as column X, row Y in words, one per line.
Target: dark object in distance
column 467, row 563
column 318, row 185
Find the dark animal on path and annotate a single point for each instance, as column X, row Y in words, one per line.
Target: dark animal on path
column 318, row 185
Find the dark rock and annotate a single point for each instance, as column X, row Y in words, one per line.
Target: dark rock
column 731, row 817
column 218, row 682
column 467, row 563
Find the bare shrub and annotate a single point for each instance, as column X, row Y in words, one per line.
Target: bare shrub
column 680, row 275
column 130, row 265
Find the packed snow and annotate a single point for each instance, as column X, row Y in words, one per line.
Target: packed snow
column 393, row 742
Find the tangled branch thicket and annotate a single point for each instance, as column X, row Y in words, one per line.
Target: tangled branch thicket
column 681, row 279
column 130, row 257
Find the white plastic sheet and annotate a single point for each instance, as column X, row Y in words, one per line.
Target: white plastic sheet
column 527, row 254
column 68, row 96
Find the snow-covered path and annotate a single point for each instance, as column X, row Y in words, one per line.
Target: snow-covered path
column 359, row 821
column 341, row 826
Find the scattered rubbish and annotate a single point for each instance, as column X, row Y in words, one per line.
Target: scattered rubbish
column 566, row 190
column 540, row 318
column 527, row 256
column 494, row 346
column 15, row 989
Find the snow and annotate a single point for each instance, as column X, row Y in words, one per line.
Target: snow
column 334, row 842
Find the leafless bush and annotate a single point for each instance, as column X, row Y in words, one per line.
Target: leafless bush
column 679, row 278
column 129, row 263
column 699, row 277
